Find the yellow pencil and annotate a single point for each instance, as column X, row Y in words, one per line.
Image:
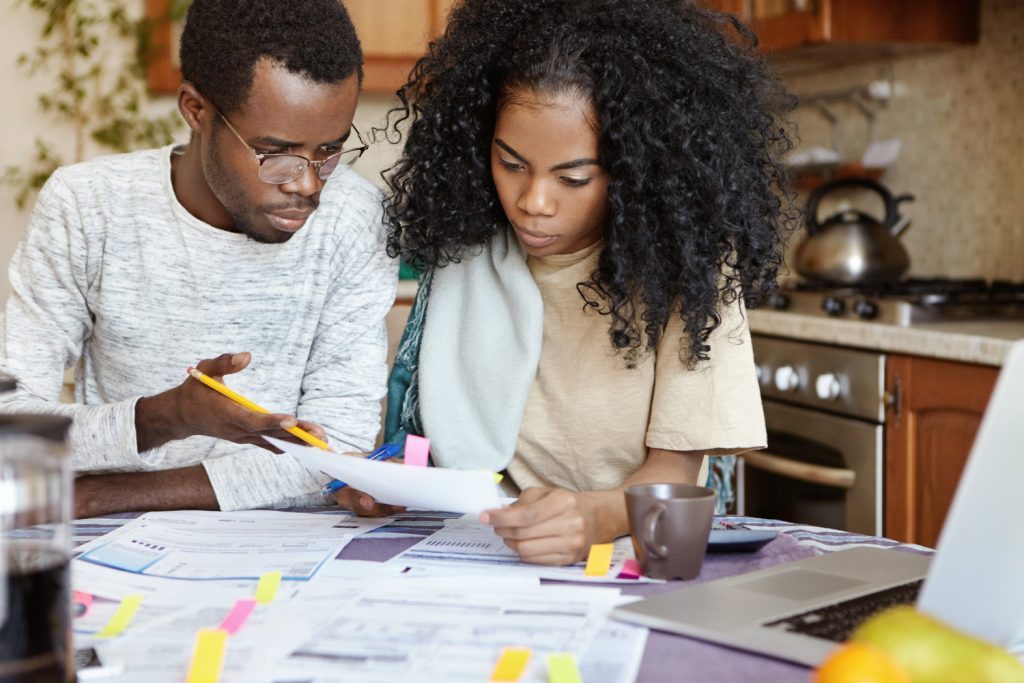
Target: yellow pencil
column 243, row 401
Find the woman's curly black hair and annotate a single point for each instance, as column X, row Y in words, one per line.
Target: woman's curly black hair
column 690, row 132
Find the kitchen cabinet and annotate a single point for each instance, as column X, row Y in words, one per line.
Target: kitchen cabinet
column 393, row 34
column 934, row 411
column 823, row 31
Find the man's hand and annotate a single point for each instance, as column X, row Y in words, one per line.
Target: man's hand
column 192, row 408
column 187, row 488
column 363, row 504
column 548, row 526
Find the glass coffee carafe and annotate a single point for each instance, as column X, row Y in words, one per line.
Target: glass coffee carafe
column 35, row 550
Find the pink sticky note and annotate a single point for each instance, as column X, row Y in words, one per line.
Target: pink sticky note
column 417, row 450
column 630, row 570
column 83, row 599
column 239, row 613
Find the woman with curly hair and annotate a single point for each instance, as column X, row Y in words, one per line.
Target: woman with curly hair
column 591, row 190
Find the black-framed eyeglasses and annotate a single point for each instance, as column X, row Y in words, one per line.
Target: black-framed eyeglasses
column 278, row 169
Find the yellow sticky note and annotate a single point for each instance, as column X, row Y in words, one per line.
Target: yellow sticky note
column 511, row 664
column 562, row 668
column 267, row 588
column 124, row 614
column 600, row 559
column 207, row 656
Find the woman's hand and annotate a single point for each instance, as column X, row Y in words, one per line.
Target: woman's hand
column 547, row 526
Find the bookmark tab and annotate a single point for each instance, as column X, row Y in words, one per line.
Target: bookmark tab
column 267, row 587
column 237, row 616
column 122, row 617
column 511, row 664
column 562, row 668
column 600, row 559
column 630, row 570
column 417, row 450
column 207, row 656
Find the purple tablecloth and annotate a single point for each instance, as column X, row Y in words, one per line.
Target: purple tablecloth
column 668, row 657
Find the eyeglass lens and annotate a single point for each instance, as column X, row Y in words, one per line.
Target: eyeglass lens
column 284, row 168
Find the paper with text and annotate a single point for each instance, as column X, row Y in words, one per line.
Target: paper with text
column 218, row 545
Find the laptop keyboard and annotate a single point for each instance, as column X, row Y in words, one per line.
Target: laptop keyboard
column 836, row 622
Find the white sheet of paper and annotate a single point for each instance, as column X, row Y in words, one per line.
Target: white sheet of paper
column 216, row 545
column 397, row 632
column 615, row 653
column 160, row 652
column 465, row 546
column 427, row 488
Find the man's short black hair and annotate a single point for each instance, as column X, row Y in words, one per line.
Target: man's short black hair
column 223, row 39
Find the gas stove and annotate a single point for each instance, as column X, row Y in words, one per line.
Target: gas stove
column 906, row 303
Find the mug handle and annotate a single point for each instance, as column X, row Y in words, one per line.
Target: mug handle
column 648, row 532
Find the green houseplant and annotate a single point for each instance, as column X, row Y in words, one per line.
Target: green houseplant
column 96, row 54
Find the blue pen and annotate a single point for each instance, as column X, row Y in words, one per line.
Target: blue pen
column 385, row 452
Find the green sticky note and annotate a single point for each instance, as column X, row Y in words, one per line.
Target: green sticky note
column 562, row 668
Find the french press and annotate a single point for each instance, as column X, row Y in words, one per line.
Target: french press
column 35, row 549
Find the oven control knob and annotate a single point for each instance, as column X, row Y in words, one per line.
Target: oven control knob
column 833, row 305
column 787, row 378
column 827, row 387
column 778, row 301
column 867, row 310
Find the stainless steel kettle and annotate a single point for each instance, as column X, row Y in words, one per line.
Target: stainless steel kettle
column 851, row 247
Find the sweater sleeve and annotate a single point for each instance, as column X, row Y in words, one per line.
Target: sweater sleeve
column 45, row 327
column 716, row 406
column 344, row 379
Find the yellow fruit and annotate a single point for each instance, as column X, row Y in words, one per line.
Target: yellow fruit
column 860, row 663
column 932, row 652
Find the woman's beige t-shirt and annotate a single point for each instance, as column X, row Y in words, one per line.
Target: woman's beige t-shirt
column 590, row 420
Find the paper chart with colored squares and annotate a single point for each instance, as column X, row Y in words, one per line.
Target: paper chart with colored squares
column 216, row 545
column 467, row 546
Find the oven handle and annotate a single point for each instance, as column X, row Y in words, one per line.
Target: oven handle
column 837, row 477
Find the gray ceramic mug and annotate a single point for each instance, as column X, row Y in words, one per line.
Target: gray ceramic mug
column 670, row 525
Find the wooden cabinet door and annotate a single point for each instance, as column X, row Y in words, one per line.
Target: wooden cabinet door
column 934, row 413
column 779, row 24
column 393, row 34
column 783, row 25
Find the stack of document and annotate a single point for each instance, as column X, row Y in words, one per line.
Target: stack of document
column 334, row 620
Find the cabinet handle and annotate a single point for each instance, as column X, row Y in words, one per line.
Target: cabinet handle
column 836, row 477
column 894, row 398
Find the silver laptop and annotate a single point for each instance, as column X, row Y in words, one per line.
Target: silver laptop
column 798, row 611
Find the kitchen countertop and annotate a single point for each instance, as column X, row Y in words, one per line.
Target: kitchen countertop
column 970, row 341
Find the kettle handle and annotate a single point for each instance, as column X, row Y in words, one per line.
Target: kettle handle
column 891, row 202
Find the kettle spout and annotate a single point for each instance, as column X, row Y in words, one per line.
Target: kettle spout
column 904, row 222
column 900, row 226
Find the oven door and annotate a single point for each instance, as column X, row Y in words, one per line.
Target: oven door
column 819, row 469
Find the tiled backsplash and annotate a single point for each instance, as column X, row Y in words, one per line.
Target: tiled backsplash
column 960, row 114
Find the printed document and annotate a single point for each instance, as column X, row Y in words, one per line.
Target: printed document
column 235, row 545
column 426, row 488
column 466, row 546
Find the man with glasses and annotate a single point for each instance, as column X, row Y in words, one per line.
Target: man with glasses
column 253, row 253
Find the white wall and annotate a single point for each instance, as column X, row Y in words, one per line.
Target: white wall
column 22, row 122
column 18, row 114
